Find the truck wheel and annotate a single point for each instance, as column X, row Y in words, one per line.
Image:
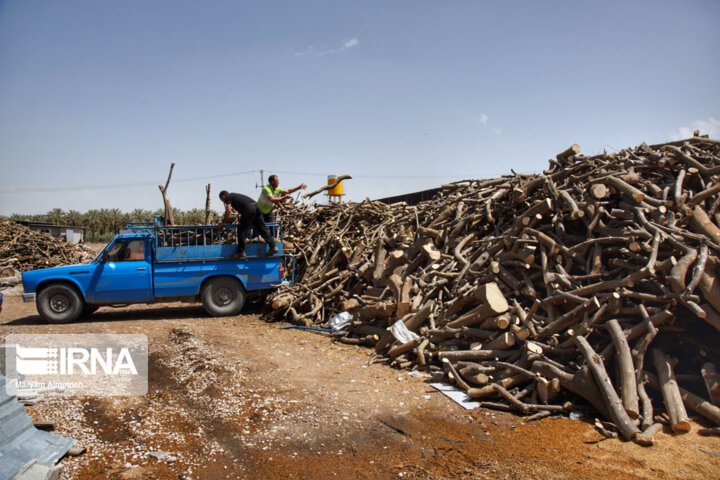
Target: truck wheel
column 59, row 304
column 223, row 297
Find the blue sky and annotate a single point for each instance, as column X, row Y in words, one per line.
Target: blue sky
column 97, row 98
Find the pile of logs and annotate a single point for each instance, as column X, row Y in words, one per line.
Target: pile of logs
column 22, row 249
column 596, row 279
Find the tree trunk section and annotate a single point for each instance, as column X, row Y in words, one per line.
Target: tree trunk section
column 166, row 199
column 617, row 413
column 670, row 392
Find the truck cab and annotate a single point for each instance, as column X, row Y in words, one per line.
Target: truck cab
column 150, row 263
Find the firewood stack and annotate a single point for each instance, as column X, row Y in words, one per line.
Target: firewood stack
column 596, row 279
column 22, row 249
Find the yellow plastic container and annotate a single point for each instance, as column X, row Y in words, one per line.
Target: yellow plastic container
column 337, row 190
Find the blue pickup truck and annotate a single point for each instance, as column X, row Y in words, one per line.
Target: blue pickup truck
column 150, row 263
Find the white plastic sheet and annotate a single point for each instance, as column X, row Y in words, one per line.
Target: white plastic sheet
column 401, row 333
column 340, row 322
column 457, row 396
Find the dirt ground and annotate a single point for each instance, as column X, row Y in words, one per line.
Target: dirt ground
column 241, row 398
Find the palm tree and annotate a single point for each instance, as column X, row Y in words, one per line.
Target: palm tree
column 93, row 221
column 74, row 218
column 105, row 222
column 140, row 215
column 195, row 216
column 55, row 216
column 116, row 220
column 178, row 217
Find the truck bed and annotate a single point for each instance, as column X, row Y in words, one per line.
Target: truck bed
column 202, row 242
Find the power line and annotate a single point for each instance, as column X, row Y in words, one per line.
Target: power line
column 11, row 190
column 390, row 177
column 46, row 189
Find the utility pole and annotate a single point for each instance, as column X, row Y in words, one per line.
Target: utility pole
column 262, row 180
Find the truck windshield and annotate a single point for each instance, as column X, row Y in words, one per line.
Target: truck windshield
column 127, row 250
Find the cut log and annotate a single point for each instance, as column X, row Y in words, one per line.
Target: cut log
column 628, row 382
column 698, row 404
column 709, row 285
column 432, row 253
column 329, row 186
column 404, row 348
column 455, row 375
column 702, row 224
column 580, row 383
column 569, row 153
column 417, row 319
column 679, row 271
column 430, row 233
column 348, row 305
column 646, row 438
column 474, row 355
column 493, row 303
column 599, row 191
column 488, row 390
column 569, row 318
column 670, row 392
column 371, row 312
column 638, row 355
column 626, row 188
column 502, row 342
column 617, row 413
column 378, row 269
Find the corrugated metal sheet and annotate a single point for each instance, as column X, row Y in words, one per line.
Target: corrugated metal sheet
column 411, row 198
column 20, row 441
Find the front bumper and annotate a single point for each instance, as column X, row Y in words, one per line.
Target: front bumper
column 28, row 297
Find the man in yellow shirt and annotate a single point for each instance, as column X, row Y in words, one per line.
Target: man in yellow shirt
column 272, row 194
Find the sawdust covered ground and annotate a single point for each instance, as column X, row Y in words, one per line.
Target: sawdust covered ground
column 241, row 398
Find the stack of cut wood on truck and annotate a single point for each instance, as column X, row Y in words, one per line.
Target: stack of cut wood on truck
column 592, row 285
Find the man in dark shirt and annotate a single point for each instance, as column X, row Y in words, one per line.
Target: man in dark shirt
column 250, row 217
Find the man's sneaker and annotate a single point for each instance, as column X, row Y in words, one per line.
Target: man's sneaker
column 240, row 254
column 272, row 250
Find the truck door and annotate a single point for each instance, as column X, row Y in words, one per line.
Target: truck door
column 125, row 273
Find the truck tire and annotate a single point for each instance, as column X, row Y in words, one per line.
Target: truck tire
column 223, row 296
column 59, row 304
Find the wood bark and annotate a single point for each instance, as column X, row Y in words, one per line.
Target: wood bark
column 698, row 404
column 628, row 382
column 671, row 393
column 614, row 405
column 166, row 198
column 208, row 212
column 590, row 239
column 328, row 186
